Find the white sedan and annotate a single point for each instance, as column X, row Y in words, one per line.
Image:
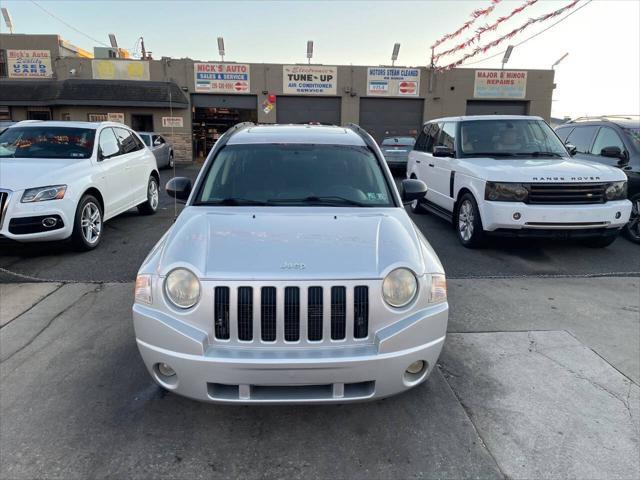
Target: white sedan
column 61, row 180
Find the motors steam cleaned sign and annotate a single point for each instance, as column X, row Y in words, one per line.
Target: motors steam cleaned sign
column 222, row 77
column 393, row 82
column 309, row 80
column 500, row 84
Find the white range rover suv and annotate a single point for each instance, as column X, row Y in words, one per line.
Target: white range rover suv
column 65, row 179
column 511, row 175
column 293, row 275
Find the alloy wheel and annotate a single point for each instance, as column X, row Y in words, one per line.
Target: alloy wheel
column 465, row 220
column 91, row 223
column 153, row 194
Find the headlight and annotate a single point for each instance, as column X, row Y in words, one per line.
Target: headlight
column 182, row 288
column 438, row 291
column 399, row 287
column 41, row 194
column 505, row 192
column 143, row 289
column 616, row 191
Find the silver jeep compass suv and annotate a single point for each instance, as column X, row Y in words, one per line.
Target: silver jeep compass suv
column 293, row 275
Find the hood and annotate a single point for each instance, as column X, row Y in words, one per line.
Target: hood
column 544, row 170
column 282, row 243
column 21, row 173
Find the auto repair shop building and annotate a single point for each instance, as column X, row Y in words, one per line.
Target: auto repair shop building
column 195, row 102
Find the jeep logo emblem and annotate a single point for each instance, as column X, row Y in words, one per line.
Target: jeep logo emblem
column 293, row 266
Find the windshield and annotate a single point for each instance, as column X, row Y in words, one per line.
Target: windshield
column 286, row 175
column 509, row 138
column 633, row 133
column 399, row 141
column 46, row 142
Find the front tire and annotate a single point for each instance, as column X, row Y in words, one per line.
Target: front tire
column 171, row 161
column 153, row 198
column 632, row 228
column 88, row 224
column 468, row 223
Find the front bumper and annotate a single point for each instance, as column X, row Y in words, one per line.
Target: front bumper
column 500, row 216
column 290, row 375
column 29, row 214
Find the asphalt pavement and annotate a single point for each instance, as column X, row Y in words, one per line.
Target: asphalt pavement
column 129, row 237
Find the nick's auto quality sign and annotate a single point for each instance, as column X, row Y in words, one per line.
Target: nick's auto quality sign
column 393, row 82
column 500, row 84
column 309, row 80
column 29, row 64
column 222, row 77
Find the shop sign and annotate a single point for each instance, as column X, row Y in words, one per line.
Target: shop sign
column 393, row 82
column 29, row 64
column 222, row 77
column 176, row 122
column 500, row 84
column 120, row 69
column 309, row 80
column 116, row 117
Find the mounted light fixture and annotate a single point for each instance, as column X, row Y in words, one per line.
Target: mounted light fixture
column 507, row 55
column 309, row 50
column 221, row 48
column 113, row 41
column 7, row 19
column 394, row 55
column 559, row 60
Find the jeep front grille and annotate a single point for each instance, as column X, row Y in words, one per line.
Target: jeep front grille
column 280, row 314
column 565, row 193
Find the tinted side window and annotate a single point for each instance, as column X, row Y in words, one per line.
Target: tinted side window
column 448, row 137
column 607, row 137
column 109, row 143
column 563, row 133
column 582, row 138
column 128, row 142
column 434, row 135
column 421, row 142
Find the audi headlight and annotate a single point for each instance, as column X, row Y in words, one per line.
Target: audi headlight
column 616, row 191
column 41, row 194
column 505, row 192
column 399, row 287
column 182, row 288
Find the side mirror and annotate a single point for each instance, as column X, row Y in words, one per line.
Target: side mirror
column 613, row 152
column 413, row 189
column 442, row 151
column 157, row 142
column 571, row 149
column 179, row 187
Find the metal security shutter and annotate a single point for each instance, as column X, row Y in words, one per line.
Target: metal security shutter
column 308, row 109
column 383, row 117
column 247, row 102
column 497, row 107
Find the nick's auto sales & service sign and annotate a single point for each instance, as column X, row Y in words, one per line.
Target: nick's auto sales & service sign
column 29, row 64
column 222, row 77
column 393, row 82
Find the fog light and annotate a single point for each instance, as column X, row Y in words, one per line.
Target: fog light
column 516, row 216
column 166, row 370
column 49, row 222
column 618, row 215
column 415, row 367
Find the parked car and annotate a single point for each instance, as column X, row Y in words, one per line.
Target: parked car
column 396, row 151
column 293, row 275
column 62, row 180
column 4, row 124
column 511, row 175
column 612, row 140
column 161, row 148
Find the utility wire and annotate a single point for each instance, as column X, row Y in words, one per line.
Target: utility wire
column 67, row 24
column 532, row 36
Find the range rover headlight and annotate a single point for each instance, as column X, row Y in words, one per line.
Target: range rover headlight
column 616, row 191
column 399, row 287
column 182, row 288
column 505, row 192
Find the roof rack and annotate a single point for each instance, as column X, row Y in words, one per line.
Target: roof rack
column 222, row 141
column 368, row 139
column 604, row 118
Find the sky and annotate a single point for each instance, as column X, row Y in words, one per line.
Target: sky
column 601, row 74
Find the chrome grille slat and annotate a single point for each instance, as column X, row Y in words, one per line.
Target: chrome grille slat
column 4, row 203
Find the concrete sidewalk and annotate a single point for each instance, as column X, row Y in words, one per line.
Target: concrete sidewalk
column 76, row 401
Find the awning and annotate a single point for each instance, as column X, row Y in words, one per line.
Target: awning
column 122, row 93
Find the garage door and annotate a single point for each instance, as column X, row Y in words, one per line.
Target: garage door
column 488, row 107
column 382, row 117
column 308, row 109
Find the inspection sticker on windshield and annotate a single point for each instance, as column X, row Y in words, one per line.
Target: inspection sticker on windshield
column 382, row 197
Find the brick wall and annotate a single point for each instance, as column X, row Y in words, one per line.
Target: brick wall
column 182, row 148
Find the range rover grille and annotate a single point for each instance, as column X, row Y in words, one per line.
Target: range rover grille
column 566, row 193
column 280, row 314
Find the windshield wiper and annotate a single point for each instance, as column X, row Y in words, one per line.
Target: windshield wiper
column 319, row 200
column 489, row 154
column 538, row 154
column 233, row 201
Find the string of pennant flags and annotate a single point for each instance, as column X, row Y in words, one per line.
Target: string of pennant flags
column 487, row 28
column 475, row 15
column 484, row 48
